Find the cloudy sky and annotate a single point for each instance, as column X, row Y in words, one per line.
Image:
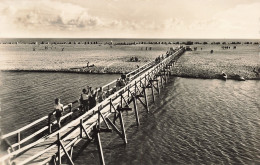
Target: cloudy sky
column 130, row 18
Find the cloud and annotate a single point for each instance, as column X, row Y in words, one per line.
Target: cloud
column 80, row 21
column 140, row 18
column 45, row 14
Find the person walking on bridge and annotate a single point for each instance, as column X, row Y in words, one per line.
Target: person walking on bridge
column 84, row 100
column 92, row 99
column 58, row 108
column 101, row 95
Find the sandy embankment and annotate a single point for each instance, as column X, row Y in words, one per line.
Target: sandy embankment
column 116, row 59
column 74, row 58
column 203, row 64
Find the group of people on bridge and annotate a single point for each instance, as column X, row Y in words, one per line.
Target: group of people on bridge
column 89, row 97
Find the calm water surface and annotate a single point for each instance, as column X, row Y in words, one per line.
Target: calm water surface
column 27, row 96
column 193, row 121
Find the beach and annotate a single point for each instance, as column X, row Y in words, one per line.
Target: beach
column 206, row 65
column 75, row 58
column 123, row 56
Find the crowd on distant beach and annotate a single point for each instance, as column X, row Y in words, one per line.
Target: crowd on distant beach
column 133, row 43
column 228, row 47
column 146, row 48
column 134, row 59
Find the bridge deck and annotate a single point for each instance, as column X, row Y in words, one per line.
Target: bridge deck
column 44, row 149
column 49, row 145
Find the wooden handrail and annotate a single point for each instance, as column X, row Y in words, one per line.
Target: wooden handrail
column 31, row 124
column 24, row 128
column 106, row 101
column 139, row 68
column 104, row 104
column 65, row 107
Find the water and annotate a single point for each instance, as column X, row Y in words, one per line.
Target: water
column 194, row 121
column 27, row 96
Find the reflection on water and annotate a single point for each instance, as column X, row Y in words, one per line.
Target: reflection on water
column 193, row 121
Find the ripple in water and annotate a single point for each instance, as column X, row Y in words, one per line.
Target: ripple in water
column 27, row 96
column 193, row 121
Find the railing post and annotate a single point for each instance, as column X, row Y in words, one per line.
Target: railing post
column 151, row 82
column 122, row 126
column 128, row 94
column 135, row 88
column 146, row 100
column 136, row 112
column 161, row 80
column 19, row 139
column 49, row 122
column 121, row 100
column 110, row 100
column 165, row 76
column 54, row 159
column 59, row 149
column 81, row 125
column 70, row 109
column 71, row 150
column 145, row 78
column 99, row 145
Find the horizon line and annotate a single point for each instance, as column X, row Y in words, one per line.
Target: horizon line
column 114, row 38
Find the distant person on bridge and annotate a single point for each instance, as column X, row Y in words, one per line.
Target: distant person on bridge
column 122, row 82
column 58, row 108
column 127, row 80
column 101, row 95
column 84, row 99
column 117, row 84
column 92, row 99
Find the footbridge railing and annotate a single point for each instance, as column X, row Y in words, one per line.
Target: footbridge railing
column 53, row 144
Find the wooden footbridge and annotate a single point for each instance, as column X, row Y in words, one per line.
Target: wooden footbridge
column 49, row 145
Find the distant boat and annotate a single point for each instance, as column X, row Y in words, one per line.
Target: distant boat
column 188, row 48
column 239, row 78
column 224, row 76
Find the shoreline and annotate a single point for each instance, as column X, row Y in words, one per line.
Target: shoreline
column 182, row 75
column 202, row 61
column 211, row 77
column 61, row 71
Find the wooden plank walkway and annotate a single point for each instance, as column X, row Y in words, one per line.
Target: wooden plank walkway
column 51, row 147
